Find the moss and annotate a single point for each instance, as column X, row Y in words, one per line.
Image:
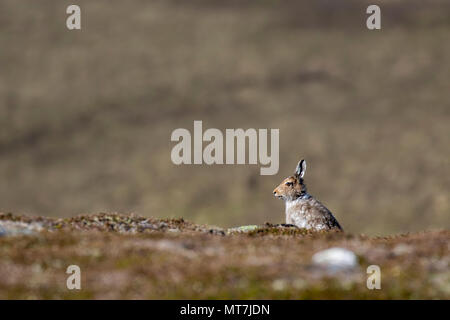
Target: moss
column 268, row 262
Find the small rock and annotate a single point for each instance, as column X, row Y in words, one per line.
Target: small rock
column 2, row 231
column 402, row 249
column 243, row 228
column 335, row 259
column 145, row 225
column 219, row 232
column 16, row 228
column 279, row 284
column 163, row 225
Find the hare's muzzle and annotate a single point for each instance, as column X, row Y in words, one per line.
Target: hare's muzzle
column 276, row 194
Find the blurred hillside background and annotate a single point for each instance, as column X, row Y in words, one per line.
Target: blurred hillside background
column 86, row 116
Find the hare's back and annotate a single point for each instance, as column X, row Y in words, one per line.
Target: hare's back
column 320, row 216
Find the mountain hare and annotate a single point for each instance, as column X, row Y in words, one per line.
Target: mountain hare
column 302, row 210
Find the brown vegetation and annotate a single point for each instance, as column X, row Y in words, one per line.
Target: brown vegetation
column 133, row 257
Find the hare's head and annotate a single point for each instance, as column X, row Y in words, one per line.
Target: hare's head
column 292, row 187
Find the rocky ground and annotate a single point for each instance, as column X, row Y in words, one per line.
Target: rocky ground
column 134, row 257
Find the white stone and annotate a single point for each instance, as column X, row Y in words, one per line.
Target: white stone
column 335, row 259
column 16, row 228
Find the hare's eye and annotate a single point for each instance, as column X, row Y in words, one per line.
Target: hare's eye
column 289, row 184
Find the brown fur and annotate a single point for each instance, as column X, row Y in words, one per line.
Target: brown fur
column 302, row 209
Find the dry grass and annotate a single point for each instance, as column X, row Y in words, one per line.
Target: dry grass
column 175, row 259
column 86, row 116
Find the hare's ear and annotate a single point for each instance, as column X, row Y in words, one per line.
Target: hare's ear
column 301, row 168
